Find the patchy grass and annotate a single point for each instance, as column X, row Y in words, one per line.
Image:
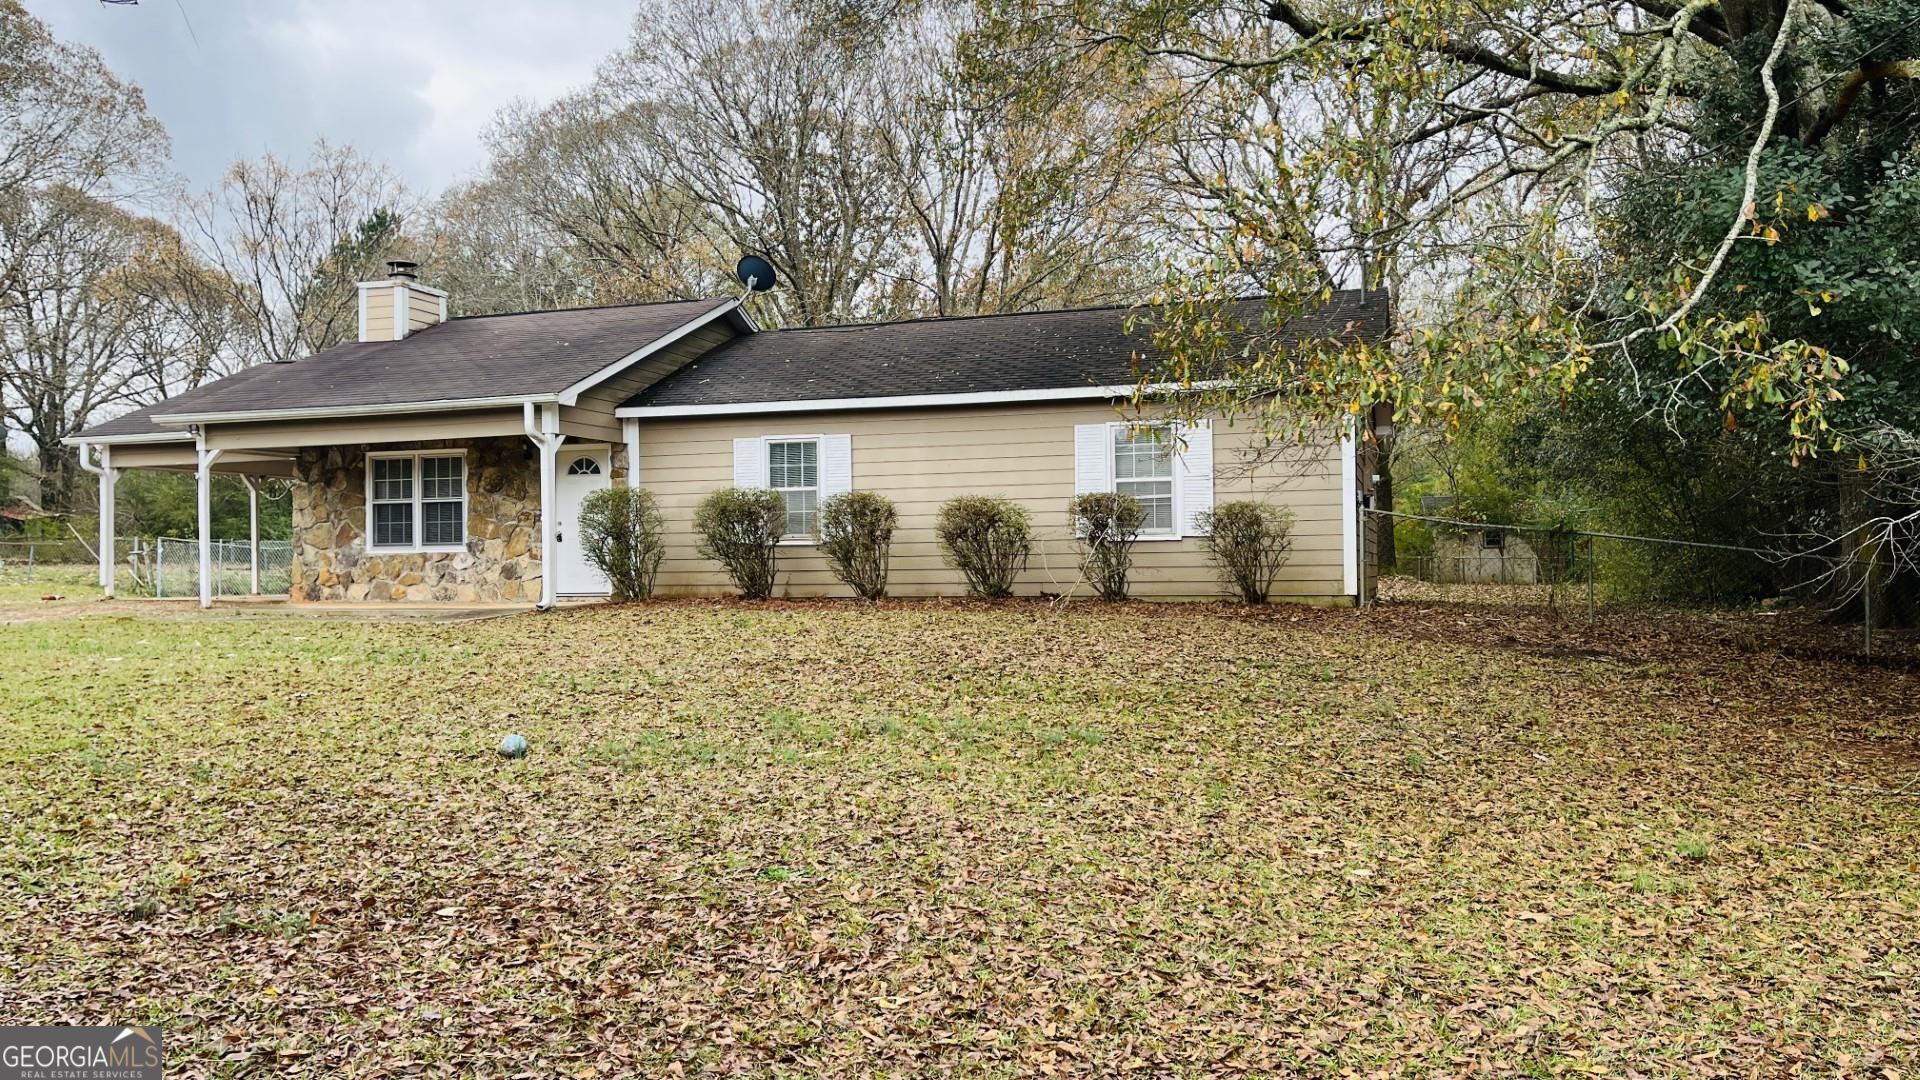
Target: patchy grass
column 829, row 840
column 26, row 585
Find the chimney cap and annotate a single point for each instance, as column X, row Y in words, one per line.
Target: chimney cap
column 402, row 268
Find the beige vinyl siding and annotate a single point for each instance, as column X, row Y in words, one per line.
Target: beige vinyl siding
column 180, row 457
column 920, row 458
column 417, row 427
column 592, row 418
column 423, row 310
column 176, row 455
column 379, row 324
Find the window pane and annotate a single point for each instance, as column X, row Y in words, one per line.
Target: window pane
column 1142, row 454
column 1156, row 499
column 793, row 464
column 441, row 477
column 441, row 524
column 393, row 524
column 803, row 510
column 392, row 478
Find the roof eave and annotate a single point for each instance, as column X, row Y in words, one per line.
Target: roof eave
column 910, row 401
column 327, row 412
column 84, row 439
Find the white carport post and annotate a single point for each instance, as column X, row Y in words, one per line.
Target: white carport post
column 253, row 533
column 107, row 474
column 203, row 475
column 546, row 436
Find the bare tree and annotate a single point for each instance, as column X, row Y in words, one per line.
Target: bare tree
column 479, row 243
column 73, row 137
column 65, row 118
column 64, row 348
column 293, row 240
column 1017, row 191
column 759, row 116
column 588, row 174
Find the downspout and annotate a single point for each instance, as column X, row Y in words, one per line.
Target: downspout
column 1352, row 571
column 105, row 471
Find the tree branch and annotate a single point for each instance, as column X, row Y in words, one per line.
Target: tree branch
column 1849, row 92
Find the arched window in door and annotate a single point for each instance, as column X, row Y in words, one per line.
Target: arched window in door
column 584, row 466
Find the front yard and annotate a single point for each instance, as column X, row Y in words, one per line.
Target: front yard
column 822, row 840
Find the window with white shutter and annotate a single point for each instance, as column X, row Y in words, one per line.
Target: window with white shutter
column 1168, row 467
column 805, row 469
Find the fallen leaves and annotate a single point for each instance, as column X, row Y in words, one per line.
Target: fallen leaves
column 814, row 839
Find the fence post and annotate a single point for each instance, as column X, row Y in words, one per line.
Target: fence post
column 30, row 550
column 1590, row 579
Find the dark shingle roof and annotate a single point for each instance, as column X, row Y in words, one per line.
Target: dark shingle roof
column 483, row 356
column 140, row 421
column 990, row 353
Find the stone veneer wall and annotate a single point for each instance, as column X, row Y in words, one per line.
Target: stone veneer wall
column 500, row 564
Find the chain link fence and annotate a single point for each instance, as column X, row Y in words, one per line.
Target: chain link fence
column 167, row 567
column 174, row 567
column 1592, row 576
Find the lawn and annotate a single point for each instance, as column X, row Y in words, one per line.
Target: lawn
column 825, row 840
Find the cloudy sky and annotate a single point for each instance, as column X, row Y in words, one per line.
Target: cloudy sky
column 410, row 82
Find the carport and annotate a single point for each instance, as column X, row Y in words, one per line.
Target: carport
column 106, row 455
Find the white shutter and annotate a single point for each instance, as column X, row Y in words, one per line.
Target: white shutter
column 749, row 463
column 1092, row 458
column 1193, row 471
column 836, row 465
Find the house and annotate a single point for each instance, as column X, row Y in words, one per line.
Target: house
column 440, row 459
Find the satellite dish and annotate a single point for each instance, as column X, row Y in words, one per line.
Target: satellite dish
column 754, row 272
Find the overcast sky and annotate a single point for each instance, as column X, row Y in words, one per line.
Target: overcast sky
column 410, row 82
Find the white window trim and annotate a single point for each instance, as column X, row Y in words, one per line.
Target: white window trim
column 417, row 548
column 766, row 477
column 1173, row 467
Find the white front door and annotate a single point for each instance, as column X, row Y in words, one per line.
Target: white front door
column 582, row 472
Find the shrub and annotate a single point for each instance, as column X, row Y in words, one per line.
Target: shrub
column 856, row 534
column 987, row 538
column 620, row 535
column 1248, row 542
column 740, row 528
column 1105, row 526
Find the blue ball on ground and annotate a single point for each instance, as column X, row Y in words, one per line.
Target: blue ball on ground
column 513, row 746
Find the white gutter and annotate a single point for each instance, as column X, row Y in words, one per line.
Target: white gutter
column 114, row 440
column 326, row 412
column 571, row 395
column 908, row 401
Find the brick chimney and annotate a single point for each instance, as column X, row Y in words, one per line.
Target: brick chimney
column 400, row 305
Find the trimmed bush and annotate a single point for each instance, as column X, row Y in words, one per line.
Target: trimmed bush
column 740, row 528
column 856, row 534
column 987, row 538
column 620, row 535
column 1248, row 542
column 1105, row 526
